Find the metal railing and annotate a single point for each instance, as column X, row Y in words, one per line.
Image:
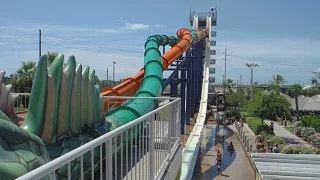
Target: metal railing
column 140, row 149
column 248, row 147
column 21, row 102
column 116, row 101
column 243, row 138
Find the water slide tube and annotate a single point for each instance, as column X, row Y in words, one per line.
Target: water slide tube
column 151, row 75
column 129, row 86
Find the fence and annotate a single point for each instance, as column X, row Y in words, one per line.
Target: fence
column 248, row 147
column 21, row 102
column 243, row 138
column 140, row 149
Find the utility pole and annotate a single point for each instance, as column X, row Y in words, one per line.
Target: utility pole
column 225, row 70
column 107, row 76
column 241, row 80
column 114, row 70
column 39, row 42
column 251, row 66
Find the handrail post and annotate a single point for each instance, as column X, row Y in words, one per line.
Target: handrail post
column 245, row 141
column 170, row 123
column 151, row 150
column 108, row 153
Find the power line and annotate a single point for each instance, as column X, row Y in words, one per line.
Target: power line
column 19, row 34
column 90, row 43
column 70, row 41
column 68, row 47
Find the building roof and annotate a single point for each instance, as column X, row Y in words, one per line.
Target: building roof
column 287, row 166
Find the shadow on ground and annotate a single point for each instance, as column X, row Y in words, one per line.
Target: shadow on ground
column 291, row 140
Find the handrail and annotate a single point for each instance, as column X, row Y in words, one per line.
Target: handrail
column 21, row 94
column 72, row 155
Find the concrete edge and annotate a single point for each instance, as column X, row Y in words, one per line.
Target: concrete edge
column 173, row 170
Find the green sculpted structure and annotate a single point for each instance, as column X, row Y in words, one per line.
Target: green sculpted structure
column 64, row 104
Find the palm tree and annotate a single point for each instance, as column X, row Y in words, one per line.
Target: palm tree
column 51, row 57
column 22, row 80
column 296, row 90
column 314, row 82
column 229, row 83
column 278, row 80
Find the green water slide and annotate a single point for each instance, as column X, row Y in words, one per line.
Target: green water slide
column 152, row 85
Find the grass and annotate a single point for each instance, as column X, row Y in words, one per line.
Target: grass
column 256, row 125
column 17, row 109
column 290, row 129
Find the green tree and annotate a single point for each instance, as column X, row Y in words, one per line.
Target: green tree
column 295, row 90
column 237, row 99
column 272, row 106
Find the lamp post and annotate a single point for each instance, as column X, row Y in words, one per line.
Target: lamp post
column 114, row 70
column 251, row 66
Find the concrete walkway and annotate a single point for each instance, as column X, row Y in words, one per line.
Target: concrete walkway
column 250, row 135
column 235, row 166
column 286, row 135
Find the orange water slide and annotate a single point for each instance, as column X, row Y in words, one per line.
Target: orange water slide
column 129, row 86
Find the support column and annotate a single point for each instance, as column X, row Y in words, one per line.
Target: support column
column 189, row 86
column 183, row 83
column 200, row 75
column 174, row 83
column 194, row 88
column 199, row 63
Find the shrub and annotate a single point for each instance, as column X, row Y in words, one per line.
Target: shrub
column 315, row 140
column 245, row 114
column 275, row 139
column 307, row 132
column 297, row 124
column 311, row 121
column 254, row 123
column 297, row 131
column 298, row 149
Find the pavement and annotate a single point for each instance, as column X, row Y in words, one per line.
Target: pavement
column 250, row 136
column 286, row 135
column 235, row 166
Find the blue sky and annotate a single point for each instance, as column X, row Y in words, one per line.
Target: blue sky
column 281, row 36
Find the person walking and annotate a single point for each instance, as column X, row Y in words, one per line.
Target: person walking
column 219, row 162
column 271, row 126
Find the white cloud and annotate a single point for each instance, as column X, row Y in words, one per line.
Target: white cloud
column 137, row 26
column 110, row 30
column 160, row 25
